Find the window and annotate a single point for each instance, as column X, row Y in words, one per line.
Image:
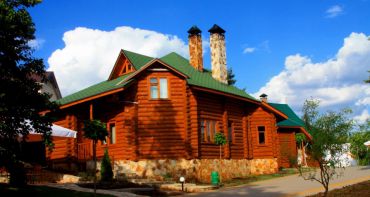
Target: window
column 158, row 90
column 112, row 134
column 261, row 134
column 202, row 130
column 230, row 130
column 208, row 129
column 153, row 88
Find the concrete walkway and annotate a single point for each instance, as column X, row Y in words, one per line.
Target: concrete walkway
column 291, row 185
column 72, row 186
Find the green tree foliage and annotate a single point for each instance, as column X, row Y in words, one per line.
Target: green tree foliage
column 230, row 77
column 20, row 102
column 368, row 80
column 96, row 131
column 357, row 140
column 330, row 131
column 106, row 172
column 220, row 140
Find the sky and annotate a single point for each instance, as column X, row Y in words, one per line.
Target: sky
column 290, row 50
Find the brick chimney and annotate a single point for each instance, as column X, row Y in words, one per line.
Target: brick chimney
column 195, row 48
column 218, row 53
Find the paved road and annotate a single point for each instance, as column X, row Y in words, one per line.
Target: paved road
column 291, row 185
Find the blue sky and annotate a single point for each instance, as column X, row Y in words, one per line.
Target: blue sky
column 260, row 36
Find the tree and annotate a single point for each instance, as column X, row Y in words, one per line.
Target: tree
column 220, row 140
column 301, row 141
column 96, row 131
column 20, row 102
column 357, row 140
column 230, row 77
column 329, row 131
column 368, row 80
column 106, row 172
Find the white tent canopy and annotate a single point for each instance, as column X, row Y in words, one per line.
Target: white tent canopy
column 367, row 143
column 59, row 131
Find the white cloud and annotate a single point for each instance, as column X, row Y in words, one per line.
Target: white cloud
column 263, row 46
column 249, row 50
column 336, row 82
column 362, row 117
column 36, row 44
column 334, row 11
column 89, row 54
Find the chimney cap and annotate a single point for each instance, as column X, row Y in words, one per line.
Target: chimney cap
column 216, row 29
column 194, row 30
column 263, row 95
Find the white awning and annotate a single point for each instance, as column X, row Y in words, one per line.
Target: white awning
column 367, row 143
column 59, row 131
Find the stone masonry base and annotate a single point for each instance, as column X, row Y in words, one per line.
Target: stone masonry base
column 198, row 170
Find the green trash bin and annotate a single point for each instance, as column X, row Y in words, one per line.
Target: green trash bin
column 215, row 179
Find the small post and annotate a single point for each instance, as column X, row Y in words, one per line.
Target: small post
column 182, row 181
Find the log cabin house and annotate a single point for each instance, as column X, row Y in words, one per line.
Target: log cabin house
column 162, row 115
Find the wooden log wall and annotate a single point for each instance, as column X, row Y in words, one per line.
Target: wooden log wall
column 64, row 147
column 288, row 147
column 235, row 112
column 261, row 117
column 210, row 107
column 162, row 123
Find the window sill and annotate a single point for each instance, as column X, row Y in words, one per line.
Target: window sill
column 159, row 99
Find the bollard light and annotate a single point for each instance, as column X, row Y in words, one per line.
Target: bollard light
column 182, row 181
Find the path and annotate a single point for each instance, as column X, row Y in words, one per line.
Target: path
column 291, row 185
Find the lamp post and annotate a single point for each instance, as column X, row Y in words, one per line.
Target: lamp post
column 182, row 181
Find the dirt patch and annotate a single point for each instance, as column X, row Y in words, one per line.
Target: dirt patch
column 359, row 189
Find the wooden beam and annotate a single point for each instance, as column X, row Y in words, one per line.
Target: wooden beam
column 225, row 94
column 91, row 111
column 91, row 98
column 304, row 131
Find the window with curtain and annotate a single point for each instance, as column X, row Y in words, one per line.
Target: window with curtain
column 158, row 88
column 112, row 136
column 207, row 130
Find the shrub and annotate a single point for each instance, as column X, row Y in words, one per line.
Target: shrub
column 106, row 172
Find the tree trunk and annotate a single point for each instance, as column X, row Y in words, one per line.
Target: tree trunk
column 326, row 190
column 94, row 158
column 304, row 162
column 219, row 167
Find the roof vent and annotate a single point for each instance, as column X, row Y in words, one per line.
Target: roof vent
column 263, row 97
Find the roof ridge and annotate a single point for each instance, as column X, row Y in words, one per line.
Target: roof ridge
column 125, row 51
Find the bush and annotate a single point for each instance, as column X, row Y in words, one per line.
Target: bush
column 106, row 172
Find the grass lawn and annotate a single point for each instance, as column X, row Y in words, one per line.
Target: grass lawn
column 41, row 191
column 254, row 178
column 359, row 189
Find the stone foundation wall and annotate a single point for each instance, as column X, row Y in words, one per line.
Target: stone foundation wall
column 194, row 169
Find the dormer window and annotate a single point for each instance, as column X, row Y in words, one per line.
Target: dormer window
column 158, row 88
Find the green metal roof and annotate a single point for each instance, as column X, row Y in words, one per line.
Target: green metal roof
column 202, row 79
column 136, row 59
column 94, row 90
column 293, row 119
